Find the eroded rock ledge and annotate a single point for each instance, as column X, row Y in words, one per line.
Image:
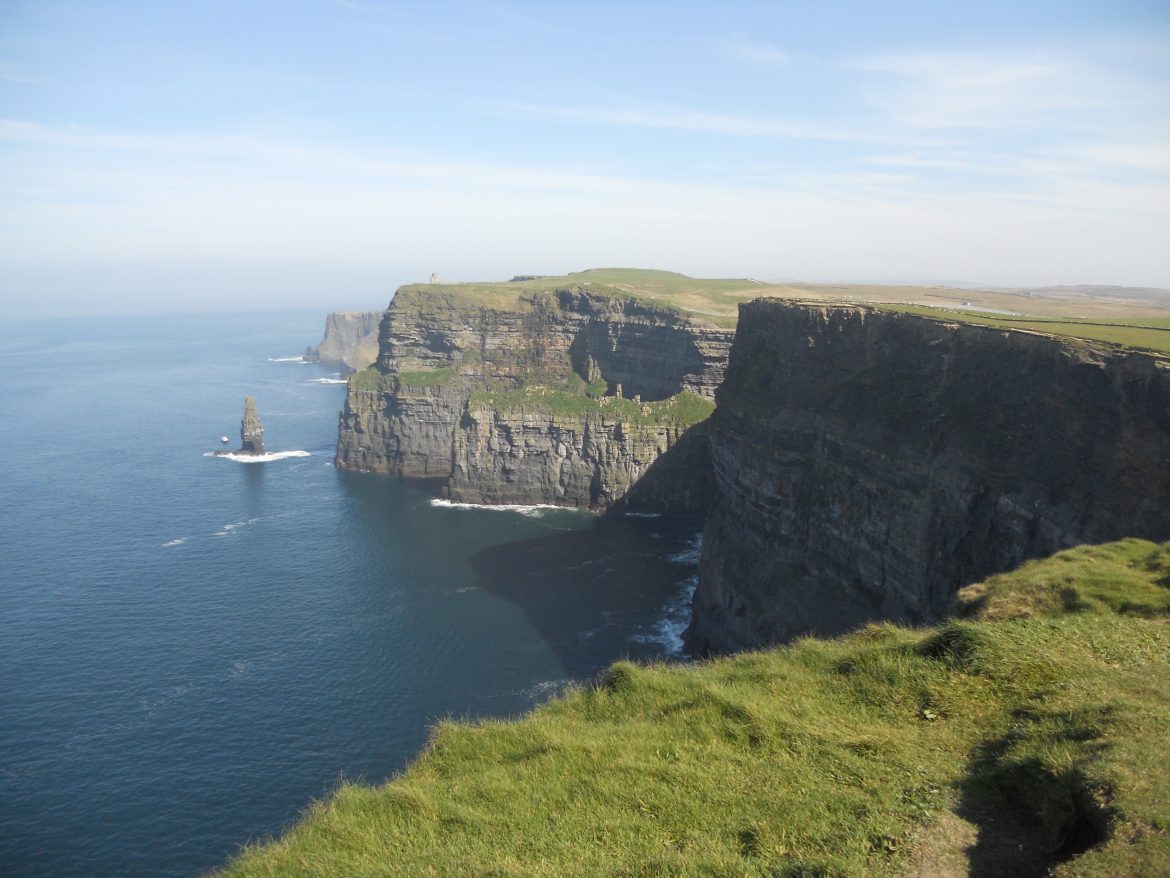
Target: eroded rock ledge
column 867, row 464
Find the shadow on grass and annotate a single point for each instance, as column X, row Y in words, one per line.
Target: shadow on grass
column 1028, row 816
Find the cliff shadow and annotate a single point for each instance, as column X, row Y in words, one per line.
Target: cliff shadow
column 620, row 587
column 679, row 480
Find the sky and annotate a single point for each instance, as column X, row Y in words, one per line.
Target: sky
column 172, row 157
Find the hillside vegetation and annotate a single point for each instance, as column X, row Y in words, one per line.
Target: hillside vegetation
column 1133, row 322
column 1025, row 735
column 1150, row 333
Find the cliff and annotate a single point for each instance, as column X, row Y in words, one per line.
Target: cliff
column 351, row 338
column 566, row 395
column 868, row 464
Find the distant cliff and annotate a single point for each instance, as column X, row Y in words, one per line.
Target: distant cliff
column 565, row 396
column 870, row 463
column 351, row 338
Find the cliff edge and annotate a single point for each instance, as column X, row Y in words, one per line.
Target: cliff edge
column 567, row 395
column 868, row 464
column 351, row 338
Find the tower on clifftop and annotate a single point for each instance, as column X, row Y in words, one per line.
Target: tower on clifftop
column 434, row 277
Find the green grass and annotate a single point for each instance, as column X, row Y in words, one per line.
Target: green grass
column 713, row 300
column 427, row 377
column 1134, row 333
column 717, row 300
column 372, row 380
column 1047, row 698
column 369, row 379
column 682, row 409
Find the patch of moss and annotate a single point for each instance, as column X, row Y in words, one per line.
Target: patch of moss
column 427, row 377
column 369, row 379
column 682, row 409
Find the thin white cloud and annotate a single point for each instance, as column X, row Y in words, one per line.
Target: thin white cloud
column 757, row 52
column 709, row 123
column 80, row 196
column 972, row 90
column 19, row 77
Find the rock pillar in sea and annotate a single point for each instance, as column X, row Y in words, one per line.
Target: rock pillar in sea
column 251, row 431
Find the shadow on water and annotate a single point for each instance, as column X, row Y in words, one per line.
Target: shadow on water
column 602, row 592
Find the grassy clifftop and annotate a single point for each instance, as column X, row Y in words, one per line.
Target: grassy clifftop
column 1026, row 734
column 1105, row 317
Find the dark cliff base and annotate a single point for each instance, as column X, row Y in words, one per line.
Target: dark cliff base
column 868, row 464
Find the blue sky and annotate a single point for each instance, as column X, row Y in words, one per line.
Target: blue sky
column 186, row 156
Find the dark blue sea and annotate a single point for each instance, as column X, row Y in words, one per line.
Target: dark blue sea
column 193, row 649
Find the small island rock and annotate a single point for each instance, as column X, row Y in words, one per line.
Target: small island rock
column 251, row 430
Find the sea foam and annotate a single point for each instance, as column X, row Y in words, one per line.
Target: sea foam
column 535, row 510
column 258, row 458
column 690, row 555
column 668, row 631
column 326, row 381
column 286, row 360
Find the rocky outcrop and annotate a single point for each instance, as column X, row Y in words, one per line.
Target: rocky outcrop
column 867, row 464
column 564, row 396
column 523, row 451
column 351, row 338
column 251, row 431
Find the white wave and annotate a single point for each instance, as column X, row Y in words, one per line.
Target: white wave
column 228, row 528
column 326, row 381
column 545, row 689
column 668, row 631
column 286, row 359
column 177, row 542
column 690, row 555
column 535, row 510
column 642, row 514
column 257, row 458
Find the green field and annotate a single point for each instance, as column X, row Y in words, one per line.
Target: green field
column 1135, row 333
column 717, row 301
column 1027, row 732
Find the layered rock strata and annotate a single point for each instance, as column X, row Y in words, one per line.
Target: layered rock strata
column 351, row 338
column 567, row 396
column 867, row 464
column 251, row 430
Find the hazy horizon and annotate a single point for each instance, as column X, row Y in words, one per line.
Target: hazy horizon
column 159, row 158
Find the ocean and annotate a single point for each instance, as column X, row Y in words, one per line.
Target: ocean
column 194, row 649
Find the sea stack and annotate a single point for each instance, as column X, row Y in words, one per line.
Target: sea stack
column 251, row 430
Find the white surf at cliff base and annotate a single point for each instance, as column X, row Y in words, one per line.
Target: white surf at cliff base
column 258, row 458
column 534, row 510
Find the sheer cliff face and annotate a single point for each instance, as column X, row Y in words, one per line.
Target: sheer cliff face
column 868, row 464
column 351, row 338
column 427, row 409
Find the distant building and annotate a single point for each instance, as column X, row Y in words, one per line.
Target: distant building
column 434, row 277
